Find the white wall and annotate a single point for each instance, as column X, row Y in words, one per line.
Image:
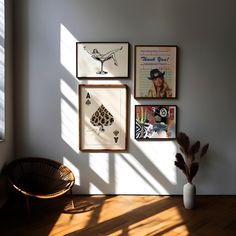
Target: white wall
column 7, row 147
column 46, row 89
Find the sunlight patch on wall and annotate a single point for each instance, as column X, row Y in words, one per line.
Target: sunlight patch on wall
column 154, row 169
column 101, row 168
column 74, row 170
column 69, row 125
column 94, row 189
column 68, row 50
column 69, row 116
column 69, row 94
column 162, row 156
column 126, row 183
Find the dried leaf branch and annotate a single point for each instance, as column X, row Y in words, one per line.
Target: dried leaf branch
column 189, row 165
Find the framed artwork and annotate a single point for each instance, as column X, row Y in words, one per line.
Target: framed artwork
column 155, row 122
column 155, row 72
column 103, row 117
column 102, row 60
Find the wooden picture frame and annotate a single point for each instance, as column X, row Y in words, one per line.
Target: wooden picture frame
column 102, row 60
column 155, row 72
column 155, row 122
column 103, row 117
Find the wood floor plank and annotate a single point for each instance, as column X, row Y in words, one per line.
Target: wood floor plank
column 120, row 215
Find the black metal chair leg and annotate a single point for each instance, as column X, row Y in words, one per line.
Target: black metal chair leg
column 72, row 201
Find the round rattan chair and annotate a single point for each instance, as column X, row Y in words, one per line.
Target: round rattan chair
column 39, row 177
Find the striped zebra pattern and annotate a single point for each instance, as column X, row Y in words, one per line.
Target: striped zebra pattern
column 138, row 129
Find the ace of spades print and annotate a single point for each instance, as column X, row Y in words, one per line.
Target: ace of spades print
column 103, row 117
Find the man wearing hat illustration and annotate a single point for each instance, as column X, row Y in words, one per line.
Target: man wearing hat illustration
column 159, row 88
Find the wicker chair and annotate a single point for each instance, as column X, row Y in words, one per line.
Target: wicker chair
column 39, row 177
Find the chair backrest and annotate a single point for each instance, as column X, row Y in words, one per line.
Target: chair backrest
column 39, row 177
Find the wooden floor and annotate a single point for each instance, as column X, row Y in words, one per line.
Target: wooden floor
column 120, row 215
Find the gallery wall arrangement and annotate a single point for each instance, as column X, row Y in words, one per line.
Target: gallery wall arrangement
column 48, row 125
column 103, row 109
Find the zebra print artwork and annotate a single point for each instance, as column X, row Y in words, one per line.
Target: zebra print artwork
column 155, row 122
column 140, row 130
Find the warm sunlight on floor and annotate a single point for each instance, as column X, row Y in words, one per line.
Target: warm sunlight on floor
column 122, row 215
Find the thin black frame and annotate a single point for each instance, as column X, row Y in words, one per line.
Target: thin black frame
column 91, row 55
column 155, row 139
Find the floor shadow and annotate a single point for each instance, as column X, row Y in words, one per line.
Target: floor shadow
column 119, row 215
column 84, row 203
column 15, row 219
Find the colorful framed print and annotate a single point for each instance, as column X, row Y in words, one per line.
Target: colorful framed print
column 155, row 122
column 155, row 72
column 102, row 60
column 103, row 117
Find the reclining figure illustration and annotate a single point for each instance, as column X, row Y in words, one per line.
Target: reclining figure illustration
column 96, row 55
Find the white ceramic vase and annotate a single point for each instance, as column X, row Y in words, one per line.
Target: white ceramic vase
column 189, row 193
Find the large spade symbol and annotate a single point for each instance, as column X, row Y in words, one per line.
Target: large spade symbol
column 102, row 117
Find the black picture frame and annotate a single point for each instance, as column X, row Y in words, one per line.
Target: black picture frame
column 155, row 122
column 102, row 60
